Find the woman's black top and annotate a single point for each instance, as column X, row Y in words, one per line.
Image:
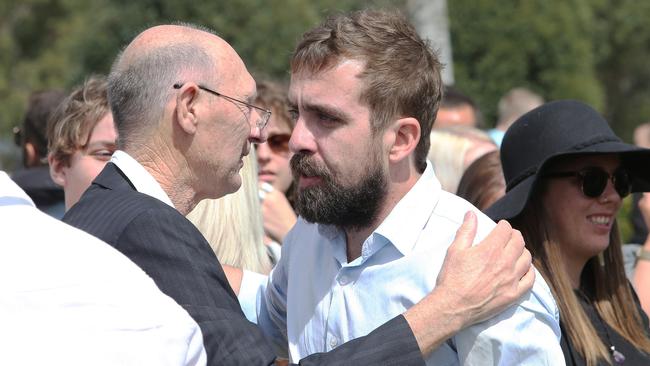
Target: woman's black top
column 609, row 336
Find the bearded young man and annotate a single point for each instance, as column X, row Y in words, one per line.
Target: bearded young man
column 375, row 224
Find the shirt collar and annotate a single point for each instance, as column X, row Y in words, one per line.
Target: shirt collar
column 139, row 176
column 11, row 193
column 405, row 222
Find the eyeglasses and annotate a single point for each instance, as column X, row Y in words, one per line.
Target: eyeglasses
column 264, row 114
column 594, row 181
column 279, row 143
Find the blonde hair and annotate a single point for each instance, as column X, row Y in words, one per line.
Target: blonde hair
column 233, row 224
column 450, row 149
column 71, row 125
column 604, row 284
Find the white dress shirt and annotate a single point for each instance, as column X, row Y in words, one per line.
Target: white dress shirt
column 315, row 300
column 139, row 176
column 67, row 298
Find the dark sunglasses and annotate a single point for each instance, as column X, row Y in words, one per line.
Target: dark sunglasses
column 593, row 180
column 279, row 143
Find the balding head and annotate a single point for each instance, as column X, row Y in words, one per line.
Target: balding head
column 142, row 78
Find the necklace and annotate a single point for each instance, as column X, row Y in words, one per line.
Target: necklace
column 617, row 356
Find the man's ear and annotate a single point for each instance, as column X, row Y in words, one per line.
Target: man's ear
column 31, row 155
column 406, row 132
column 186, row 107
column 56, row 170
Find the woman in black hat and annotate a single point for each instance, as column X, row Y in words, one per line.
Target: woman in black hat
column 566, row 174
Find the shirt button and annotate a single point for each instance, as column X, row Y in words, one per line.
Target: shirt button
column 333, row 342
column 343, row 280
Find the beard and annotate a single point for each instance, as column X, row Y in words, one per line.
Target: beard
column 331, row 202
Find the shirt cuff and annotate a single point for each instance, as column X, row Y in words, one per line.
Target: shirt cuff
column 251, row 292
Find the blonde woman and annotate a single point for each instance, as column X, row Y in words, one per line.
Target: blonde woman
column 566, row 174
column 453, row 149
column 233, row 224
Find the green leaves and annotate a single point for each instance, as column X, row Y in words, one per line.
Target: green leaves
column 592, row 50
column 58, row 43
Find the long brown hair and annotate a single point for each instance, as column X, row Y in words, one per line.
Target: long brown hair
column 604, row 284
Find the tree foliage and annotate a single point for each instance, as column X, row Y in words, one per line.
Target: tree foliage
column 545, row 45
column 592, row 50
column 57, row 43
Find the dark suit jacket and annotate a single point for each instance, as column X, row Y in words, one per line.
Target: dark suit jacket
column 174, row 253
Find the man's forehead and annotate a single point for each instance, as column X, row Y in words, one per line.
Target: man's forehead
column 232, row 76
column 342, row 77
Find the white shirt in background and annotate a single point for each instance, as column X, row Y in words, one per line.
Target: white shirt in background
column 68, row 298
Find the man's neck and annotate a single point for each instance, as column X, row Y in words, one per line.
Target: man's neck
column 171, row 179
column 398, row 188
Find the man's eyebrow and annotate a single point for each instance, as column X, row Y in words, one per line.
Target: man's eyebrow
column 101, row 143
column 327, row 110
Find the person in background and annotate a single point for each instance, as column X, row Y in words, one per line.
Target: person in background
column 453, row 149
column 641, row 276
column 637, row 216
column 513, row 105
column 566, row 174
column 637, row 253
column 483, row 183
column 81, row 138
column 457, row 109
column 68, row 298
column 35, row 178
column 276, row 183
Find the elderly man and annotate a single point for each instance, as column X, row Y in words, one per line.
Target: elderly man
column 181, row 100
column 375, row 224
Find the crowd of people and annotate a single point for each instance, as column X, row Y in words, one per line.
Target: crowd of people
column 360, row 213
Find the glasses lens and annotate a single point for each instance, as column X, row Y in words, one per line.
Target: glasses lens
column 279, row 144
column 262, row 118
column 594, row 182
column 622, row 183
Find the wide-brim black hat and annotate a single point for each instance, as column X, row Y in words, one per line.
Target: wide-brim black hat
column 552, row 131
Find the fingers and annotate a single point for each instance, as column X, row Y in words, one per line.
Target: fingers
column 466, row 232
column 526, row 282
column 523, row 264
column 265, row 188
column 515, row 244
column 501, row 235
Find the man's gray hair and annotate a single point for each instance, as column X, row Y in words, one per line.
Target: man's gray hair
column 138, row 89
column 515, row 103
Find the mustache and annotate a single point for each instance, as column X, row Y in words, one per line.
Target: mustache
column 302, row 164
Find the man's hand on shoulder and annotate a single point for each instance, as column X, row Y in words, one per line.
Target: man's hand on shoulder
column 474, row 284
column 485, row 279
